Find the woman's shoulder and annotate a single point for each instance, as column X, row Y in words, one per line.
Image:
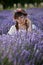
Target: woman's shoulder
column 13, row 26
column 12, row 29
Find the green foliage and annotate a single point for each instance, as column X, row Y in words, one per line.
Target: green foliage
column 7, row 3
column 6, row 61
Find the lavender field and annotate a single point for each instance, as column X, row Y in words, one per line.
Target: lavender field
column 6, row 19
column 22, row 48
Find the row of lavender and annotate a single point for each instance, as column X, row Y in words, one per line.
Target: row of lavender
column 36, row 15
column 21, row 49
column 6, row 19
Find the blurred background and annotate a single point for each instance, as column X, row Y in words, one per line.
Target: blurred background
column 10, row 4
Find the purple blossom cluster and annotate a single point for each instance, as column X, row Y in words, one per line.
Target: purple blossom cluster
column 22, row 48
column 36, row 15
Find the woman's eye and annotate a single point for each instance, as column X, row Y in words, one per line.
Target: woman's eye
column 22, row 17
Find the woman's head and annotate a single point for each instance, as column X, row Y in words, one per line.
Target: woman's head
column 20, row 17
column 19, row 13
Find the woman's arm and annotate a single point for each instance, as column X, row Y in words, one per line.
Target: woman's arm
column 29, row 25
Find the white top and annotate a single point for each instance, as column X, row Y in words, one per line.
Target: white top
column 13, row 29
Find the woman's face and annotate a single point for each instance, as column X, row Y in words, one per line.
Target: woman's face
column 21, row 19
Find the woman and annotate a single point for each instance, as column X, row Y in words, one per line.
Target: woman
column 22, row 22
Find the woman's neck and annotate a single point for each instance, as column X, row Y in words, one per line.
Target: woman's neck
column 22, row 26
